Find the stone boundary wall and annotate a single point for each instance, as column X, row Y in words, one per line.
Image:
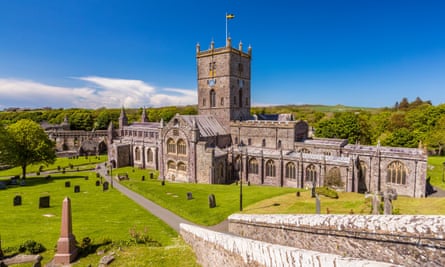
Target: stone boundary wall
column 410, row 240
column 221, row 249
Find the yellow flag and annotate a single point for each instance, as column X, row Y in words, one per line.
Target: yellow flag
column 230, row 16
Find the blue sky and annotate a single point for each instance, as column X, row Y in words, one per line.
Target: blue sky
column 75, row 53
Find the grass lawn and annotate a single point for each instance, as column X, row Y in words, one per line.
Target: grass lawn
column 173, row 196
column 101, row 216
column 347, row 202
column 436, row 171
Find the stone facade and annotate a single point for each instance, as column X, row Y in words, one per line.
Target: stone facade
column 408, row 240
column 224, row 143
column 221, row 249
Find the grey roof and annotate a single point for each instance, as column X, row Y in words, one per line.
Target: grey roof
column 143, row 125
column 385, row 149
column 207, row 124
column 326, row 142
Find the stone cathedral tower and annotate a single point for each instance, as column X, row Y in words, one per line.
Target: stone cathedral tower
column 224, row 83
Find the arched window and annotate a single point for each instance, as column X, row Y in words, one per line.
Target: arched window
column 279, row 144
column 149, row 155
column 240, row 97
column 222, row 101
column 204, row 102
column 182, row 147
column 137, row 154
column 171, row 165
column 290, row 170
column 249, row 141
column 253, row 166
column 311, row 173
column 220, row 170
column 171, row 146
column 182, row 167
column 396, row 173
column 238, row 163
column 305, row 151
column 270, row 168
column 212, row 98
column 263, row 143
column 334, row 177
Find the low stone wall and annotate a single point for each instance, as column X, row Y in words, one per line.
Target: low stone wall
column 219, row 249
column 405, row 240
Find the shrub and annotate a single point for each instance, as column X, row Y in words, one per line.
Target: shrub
column 142, row 237
column 327, row 192
column 31, row 247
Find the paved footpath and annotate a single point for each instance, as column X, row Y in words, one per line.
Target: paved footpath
column 167, row 216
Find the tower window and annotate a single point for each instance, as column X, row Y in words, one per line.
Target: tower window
column 240, row 98
column 247, row 101
column 240, row 67
column 222, row 101
column 204, row 102
column 212, row 98
column 234, row 100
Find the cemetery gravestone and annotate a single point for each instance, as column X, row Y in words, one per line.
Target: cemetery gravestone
column 151, row 175
column 388, row 197
column 143, row 177
column 17, row 200
column 317, row 204
column 22, row 182
column 212, row 201
column 67, row 184
column 105, row 186
column 97, row 183
column 76, row 188
column 44, row 202
column 2, row 185
column 189, row 196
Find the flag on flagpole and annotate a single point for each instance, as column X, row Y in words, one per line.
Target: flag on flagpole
column 230, row 16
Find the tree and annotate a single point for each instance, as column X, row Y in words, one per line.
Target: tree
column 24, row 143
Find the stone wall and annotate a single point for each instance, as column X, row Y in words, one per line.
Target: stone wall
column 407, row 240
column 219, row 249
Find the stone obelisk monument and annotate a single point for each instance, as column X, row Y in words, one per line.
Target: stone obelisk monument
column 66, row 249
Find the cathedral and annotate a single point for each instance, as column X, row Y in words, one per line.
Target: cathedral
column 224, row 143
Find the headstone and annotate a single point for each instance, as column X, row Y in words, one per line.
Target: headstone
column 97, row 183
column 189, row 196
column 313, row 194
column 143, row 177
column 163, row 183
column 76, row 188
column 248, row 183
column 2, row 185
column 22, row 182
column 212, row 201
column 317, row 204
column 297, row 194
column 67, row 184
column 86, row 178
column 44, row 202
column 105, row 186
column 66, row 245
column 14, row 180
column 375, row 204
column 151, row 175
column 17, row 200
column 389, row 195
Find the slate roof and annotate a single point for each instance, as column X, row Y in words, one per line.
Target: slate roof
column 207, row 124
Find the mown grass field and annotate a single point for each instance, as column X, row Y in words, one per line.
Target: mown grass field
column 436, row 168
column 101, row 216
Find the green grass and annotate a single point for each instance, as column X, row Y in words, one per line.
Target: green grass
column 347, row 202
column 173, row 196
column 83, row 163
column 436, row 171
column 96, row 214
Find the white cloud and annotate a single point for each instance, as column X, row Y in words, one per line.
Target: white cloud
column 97, row 92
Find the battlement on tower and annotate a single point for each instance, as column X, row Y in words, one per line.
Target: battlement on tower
column 223, row 50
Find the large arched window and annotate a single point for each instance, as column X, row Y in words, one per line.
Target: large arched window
column 182, row 148
column 290, row 170
column 171, row 165
column 171, row 146
column 253, row 166
column 334, row 177
column 149, row 155
column 311, row 173
column 396, row 173
column 212, row 98
column 270, row 168
column 182, row 167
column 137, row 154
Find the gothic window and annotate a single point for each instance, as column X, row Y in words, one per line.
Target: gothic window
column 212, row 98
column 327, row 153
column 396, row 173
column 171, row 146
column 263, row 143
column 137, row 154
column 182, row 167
column 240, row 98
column 311, row 173
column 334, row 177
column 204, row 102
column 222, row 101
column 279, row 144
column 253, row 166
column 171, row 165
column 182, row 148
column 290, row 170
column 220, row 170
column 270, row 168
column 149, row 155
column 249, row 142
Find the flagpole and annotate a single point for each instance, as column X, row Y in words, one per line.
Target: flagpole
column 226, row 27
